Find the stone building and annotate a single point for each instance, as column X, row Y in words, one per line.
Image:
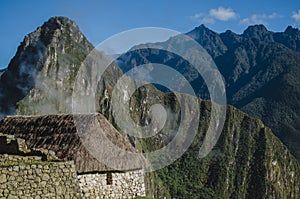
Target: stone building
column 61, row 134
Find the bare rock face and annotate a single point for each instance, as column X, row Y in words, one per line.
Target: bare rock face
column 54, row 84
column 61, row 48
column 44, row 69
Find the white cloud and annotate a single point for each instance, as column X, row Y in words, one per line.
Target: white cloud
column 207, row 20
column 202, row 18
column 223, row 14
column 296, row 16
column 197, row 16
column 258, row 19
column 274, row 15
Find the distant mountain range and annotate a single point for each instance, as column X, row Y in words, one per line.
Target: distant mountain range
column 260, row 69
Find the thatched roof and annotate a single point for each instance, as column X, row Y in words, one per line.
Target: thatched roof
column 68, row 134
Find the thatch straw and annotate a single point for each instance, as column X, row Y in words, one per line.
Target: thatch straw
column 60, row 134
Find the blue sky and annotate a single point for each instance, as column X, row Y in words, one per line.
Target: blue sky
column 101, row 19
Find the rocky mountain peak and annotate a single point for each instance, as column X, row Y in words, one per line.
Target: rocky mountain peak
column 209, row 39
column 60, row 20
column 201, row 32
column 229, row 38
column 54, row 50
column 258, row 32
column 291, row 31
column 202, row 28
column 57, row 31
column 255, row 29
column 52, row 29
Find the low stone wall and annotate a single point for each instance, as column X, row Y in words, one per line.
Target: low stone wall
column 6, row 159
column 114, row 185
column 28, row 177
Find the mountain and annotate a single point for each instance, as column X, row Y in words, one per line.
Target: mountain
column 48, row 55
column 261, row 71
column 248, row 161
column 44, row 69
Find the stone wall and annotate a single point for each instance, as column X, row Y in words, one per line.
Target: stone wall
column 113, row 185
column 28, row 177
column 38, row 173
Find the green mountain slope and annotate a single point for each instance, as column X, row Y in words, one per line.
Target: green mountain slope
column 248, row 161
